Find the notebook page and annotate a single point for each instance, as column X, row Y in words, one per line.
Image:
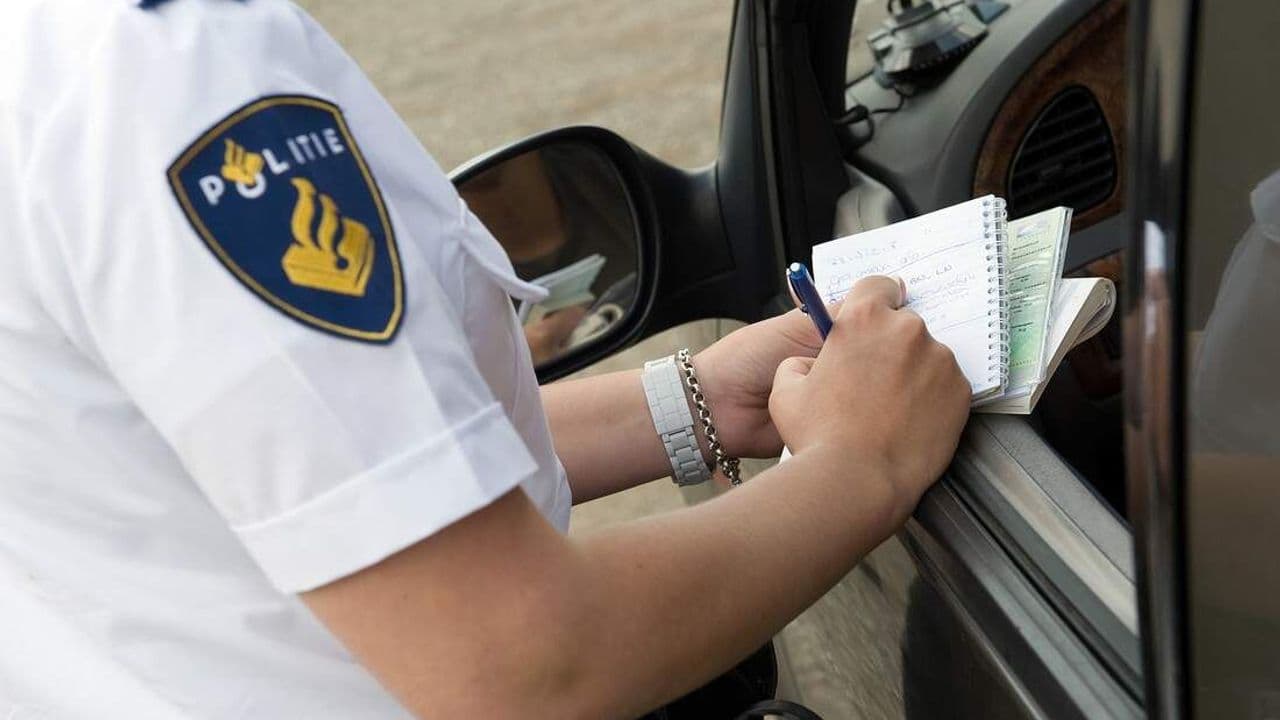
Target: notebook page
column 944, row 258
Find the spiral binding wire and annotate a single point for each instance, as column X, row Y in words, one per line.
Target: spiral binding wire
column 995, row 229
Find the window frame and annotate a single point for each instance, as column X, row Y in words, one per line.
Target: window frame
column 1068, row 542
column 972, row 547
column 1162, row 51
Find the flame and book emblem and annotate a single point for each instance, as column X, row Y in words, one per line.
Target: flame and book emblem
column 326, row 260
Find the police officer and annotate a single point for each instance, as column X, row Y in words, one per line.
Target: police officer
column 270, row 441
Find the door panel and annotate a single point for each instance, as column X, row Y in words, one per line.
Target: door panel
column 886, row 643
column 1062, row 537
column 992, row 602
column 1038, row 650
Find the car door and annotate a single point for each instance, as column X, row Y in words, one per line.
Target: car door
column 1012, row 592
column 1088, row 561
column 1204, row 437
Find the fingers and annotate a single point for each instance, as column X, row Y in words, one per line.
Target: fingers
column 788, row 384
column 876, row 290
column 791, row 371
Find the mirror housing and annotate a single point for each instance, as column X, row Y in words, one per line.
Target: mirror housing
column 636, row 206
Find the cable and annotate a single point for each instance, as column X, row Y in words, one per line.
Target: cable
column 859, row 114
column 778, row 709
column 854, row 81
column 902, row 99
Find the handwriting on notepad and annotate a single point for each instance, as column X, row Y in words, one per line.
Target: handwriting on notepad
column 944, row 271
column 945, row 260
column 915, row 263
column 944, row 294
column 933, row 299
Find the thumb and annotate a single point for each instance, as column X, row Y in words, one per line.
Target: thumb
column 878, row 290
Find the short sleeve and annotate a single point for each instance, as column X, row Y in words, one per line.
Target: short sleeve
column 265, row 305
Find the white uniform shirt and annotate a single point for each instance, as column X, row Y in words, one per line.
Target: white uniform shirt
column 181, row 451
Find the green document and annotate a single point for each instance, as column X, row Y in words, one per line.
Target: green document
column 1035, row 253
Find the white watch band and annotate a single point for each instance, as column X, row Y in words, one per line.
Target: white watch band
column 671, row 418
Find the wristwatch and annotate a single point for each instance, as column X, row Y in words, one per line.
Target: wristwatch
column 664, row 390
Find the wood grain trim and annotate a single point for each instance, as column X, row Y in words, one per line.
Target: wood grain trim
column 1092, row 54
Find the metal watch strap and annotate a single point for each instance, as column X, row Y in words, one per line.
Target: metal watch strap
column 664, row 389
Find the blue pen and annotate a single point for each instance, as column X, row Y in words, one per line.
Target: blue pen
column 810, row 302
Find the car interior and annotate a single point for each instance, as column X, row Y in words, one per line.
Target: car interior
column 1060, row 140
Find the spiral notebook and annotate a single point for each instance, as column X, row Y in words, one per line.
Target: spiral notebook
column 953, row 262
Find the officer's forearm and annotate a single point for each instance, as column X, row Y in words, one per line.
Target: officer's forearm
column 690, row 593
column 500, row 616
column 604, row 434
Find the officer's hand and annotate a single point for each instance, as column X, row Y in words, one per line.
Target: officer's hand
column 882, row 397
column 737, row 376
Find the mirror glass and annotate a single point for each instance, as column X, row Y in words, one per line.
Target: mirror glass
column 563, row 215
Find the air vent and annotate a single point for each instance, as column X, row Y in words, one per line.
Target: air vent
column 1066, row 158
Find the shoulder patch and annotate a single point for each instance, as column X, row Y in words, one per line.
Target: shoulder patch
column 281, row 195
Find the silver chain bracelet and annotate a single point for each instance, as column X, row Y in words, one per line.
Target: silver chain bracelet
column 727, row 465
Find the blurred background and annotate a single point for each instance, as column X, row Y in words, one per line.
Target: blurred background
column 469, row 76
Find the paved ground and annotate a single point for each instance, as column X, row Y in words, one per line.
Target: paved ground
column 468, row 76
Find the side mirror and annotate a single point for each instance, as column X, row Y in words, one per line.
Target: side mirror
column 575, row 216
